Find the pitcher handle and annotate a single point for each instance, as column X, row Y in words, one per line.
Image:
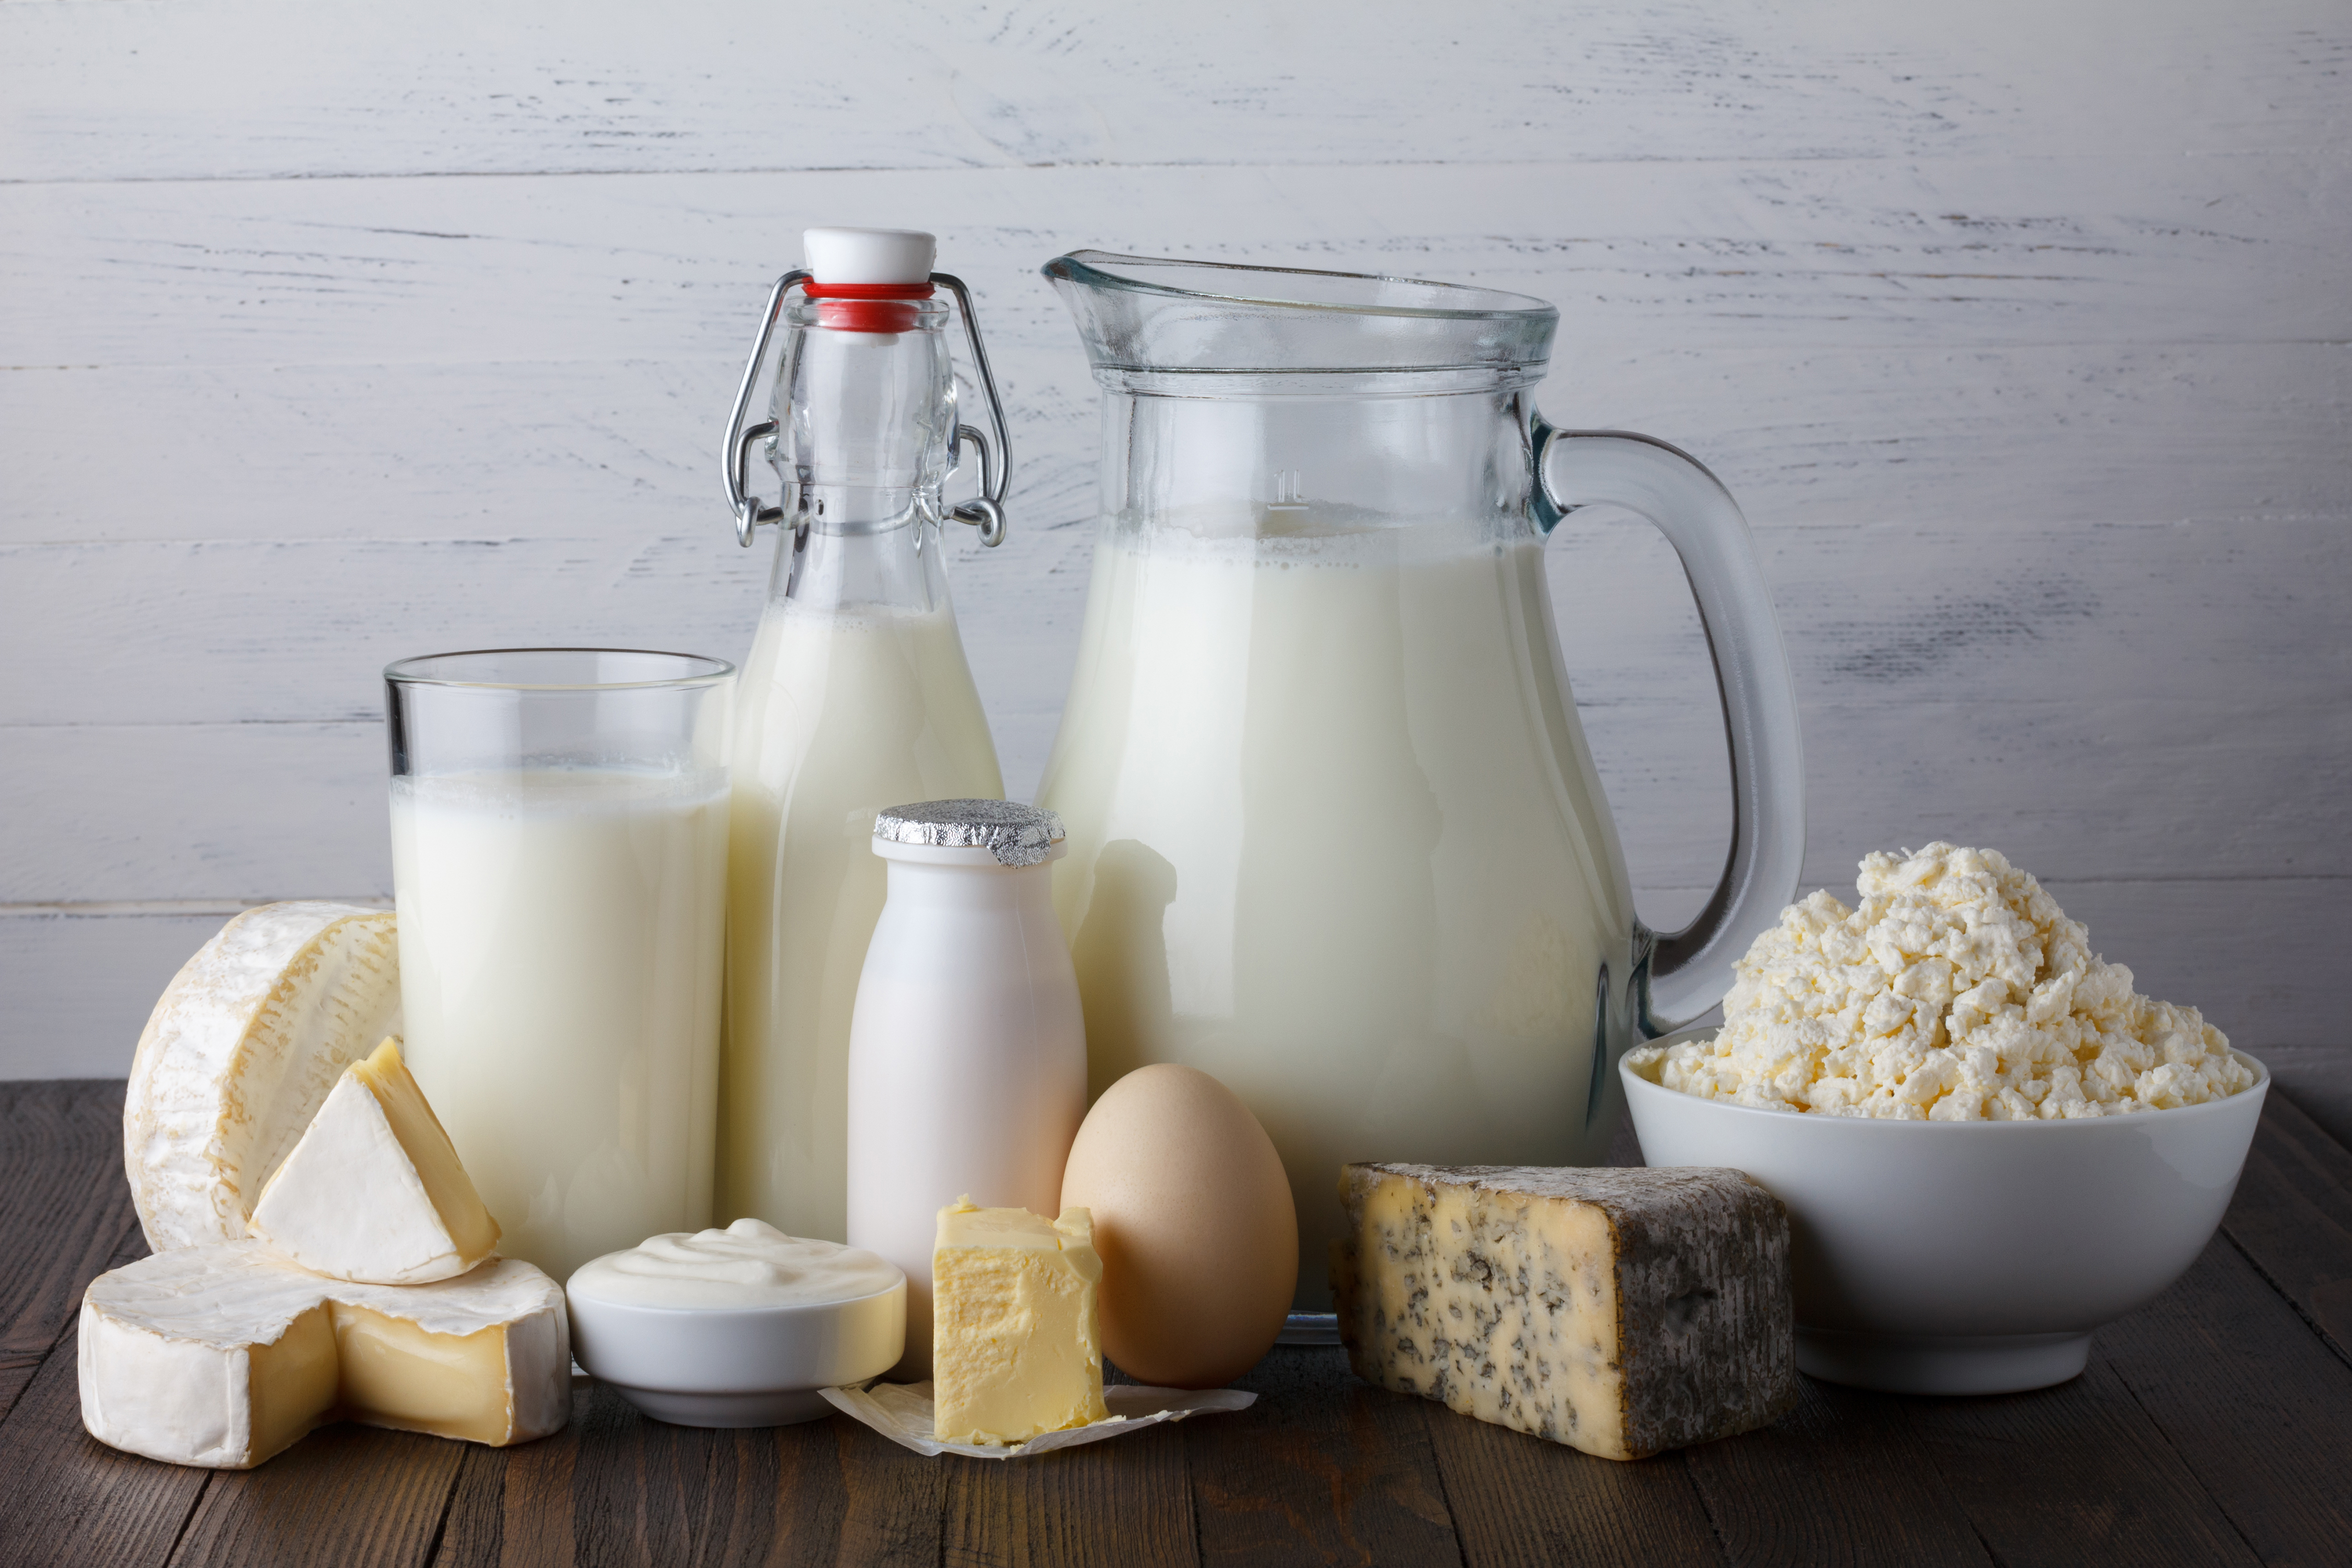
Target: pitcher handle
column 1689, row 971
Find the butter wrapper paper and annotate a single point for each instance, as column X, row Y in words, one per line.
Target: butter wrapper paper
column 902, row 1413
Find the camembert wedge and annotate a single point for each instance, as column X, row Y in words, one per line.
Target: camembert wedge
column 1016, row 1324
column 375, row 1192
column 222, row 1355
column 242, row 1048
column 1618, row 1311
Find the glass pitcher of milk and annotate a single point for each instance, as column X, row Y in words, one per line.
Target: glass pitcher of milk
column 1334, row 837
column 856, row 695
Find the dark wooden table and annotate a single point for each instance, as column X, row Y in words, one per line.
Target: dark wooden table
column 2213, row 1427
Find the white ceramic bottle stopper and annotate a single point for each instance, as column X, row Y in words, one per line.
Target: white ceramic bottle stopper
column 868, row 256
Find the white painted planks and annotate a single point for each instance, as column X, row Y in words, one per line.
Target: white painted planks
column 329, row 334
column 256, row 89
column 2161, row 694
column 1888, row 615
column 2033, row 436
column 1929, row 254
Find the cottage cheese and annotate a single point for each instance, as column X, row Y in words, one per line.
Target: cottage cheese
column 1958, row 991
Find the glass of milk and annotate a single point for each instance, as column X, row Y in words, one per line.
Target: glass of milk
column 559, row 843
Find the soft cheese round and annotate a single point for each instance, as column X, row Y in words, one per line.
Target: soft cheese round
column 223, row 1295
column 222, row 1354
column 226, row 1295
column 749, row 1263
column 1956, row 991
column 242, row 1049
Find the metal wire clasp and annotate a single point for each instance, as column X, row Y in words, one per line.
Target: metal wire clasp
column 984, row 511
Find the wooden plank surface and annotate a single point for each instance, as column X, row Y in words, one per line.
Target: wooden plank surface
column 1515, row 1499
column 1843, row 1479
column 2215, row 1426
column 2072, row 1475
column 344, row 1497
column 2257, row 1408
column 1111, row 1504
column 2293, row 1216
column 69, row 1499
column 64, row 1211
column 1322, row 1468
column 614, row 1487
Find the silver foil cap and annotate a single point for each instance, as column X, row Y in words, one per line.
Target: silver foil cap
column 1015, row 834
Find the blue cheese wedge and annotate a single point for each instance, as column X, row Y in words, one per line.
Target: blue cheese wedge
column 1622, row 1312
column 222, row 1355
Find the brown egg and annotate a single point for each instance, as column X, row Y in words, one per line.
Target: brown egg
column 1194, row 1223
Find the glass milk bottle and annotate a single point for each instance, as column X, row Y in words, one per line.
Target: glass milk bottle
column 855, row 694
column 968, row 1058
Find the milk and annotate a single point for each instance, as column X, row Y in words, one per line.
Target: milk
column 1335, row 839
column 841, row 711
column 559, row 952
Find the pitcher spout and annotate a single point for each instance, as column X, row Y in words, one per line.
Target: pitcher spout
column 1146, row 317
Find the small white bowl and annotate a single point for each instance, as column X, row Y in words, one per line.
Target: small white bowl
column 1967, row 1256
column 737, row 1366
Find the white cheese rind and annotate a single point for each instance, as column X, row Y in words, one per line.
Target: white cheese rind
column 164, row 1348
column 1622, row 1312
column 348, row 1201
column 538, row 1367
column 240, row 1052
column 165, row 1358
column 183, row 1402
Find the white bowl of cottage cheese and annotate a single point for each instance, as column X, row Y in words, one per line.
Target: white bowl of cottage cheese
column 1988, row 1143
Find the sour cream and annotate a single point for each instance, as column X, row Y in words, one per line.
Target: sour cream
column 749, row 1263
column 740, row 1327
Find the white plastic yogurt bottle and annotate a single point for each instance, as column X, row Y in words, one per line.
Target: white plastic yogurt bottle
column 966, row 1048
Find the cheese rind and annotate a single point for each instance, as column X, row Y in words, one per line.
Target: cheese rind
column 222, row 1355
column 240, row 1052
column 374, row 1191
column 1622, row 1312
column 1016, row 1325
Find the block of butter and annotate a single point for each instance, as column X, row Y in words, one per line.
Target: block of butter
column 222, row 1356
column 1016, row 1330
column 1618, row 1311
column 374, row 1191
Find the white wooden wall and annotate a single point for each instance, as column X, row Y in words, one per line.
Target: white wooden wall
column 332, row 332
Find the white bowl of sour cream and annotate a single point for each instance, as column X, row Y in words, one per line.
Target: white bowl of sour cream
column 737, row 1327
column 1967, row 1256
